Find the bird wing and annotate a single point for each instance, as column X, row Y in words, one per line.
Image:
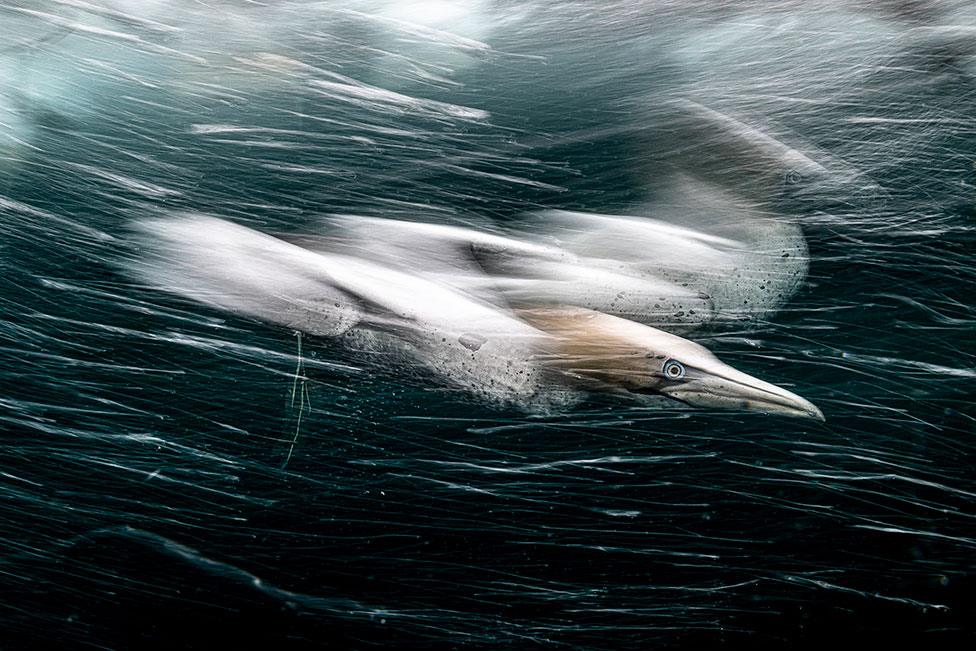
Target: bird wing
column 239, row 269
column 518, row 271
column 470, row 343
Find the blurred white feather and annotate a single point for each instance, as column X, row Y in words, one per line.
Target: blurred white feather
column 239, row 269
column 467, row 343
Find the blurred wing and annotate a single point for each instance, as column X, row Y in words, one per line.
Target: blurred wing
column 522, row 272
column 744, row 278
column 241, row 270
column 470, row 343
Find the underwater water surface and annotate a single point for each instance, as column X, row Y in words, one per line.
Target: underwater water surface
column 175, row 475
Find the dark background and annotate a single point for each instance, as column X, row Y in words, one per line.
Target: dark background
column 145, row 498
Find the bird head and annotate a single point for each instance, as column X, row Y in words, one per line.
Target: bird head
column 618, row 354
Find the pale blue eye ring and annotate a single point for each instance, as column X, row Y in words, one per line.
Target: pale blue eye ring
column 673, row 370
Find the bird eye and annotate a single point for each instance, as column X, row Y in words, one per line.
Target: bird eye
column 673, row 370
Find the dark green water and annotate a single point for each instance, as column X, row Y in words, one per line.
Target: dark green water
column 165, row 482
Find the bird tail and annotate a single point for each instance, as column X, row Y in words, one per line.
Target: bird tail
column 238, row 269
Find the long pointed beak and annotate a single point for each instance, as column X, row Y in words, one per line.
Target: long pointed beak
column 725, row 387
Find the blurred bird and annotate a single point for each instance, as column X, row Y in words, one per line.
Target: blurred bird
column 535, row 354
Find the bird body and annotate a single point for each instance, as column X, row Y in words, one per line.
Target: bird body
column 538, row 357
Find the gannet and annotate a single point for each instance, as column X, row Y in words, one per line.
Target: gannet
column 535, row 358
